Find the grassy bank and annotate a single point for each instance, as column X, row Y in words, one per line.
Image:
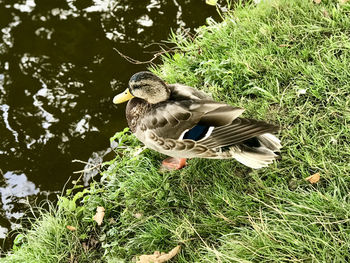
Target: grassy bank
column 284, row 61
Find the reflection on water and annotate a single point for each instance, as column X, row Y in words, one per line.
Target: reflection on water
column 58, row 74
column 14, row 188
column 5, row 108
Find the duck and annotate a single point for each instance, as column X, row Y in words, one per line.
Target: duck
column 183, row 122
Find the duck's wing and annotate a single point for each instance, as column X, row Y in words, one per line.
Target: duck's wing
column 169, row 120
column 250, row 142
column 209, row 129
column 240, row 130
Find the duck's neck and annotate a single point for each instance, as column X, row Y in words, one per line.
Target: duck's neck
column 135, row 110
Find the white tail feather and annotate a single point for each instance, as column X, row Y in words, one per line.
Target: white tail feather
column 259, row 157
column 270, row 141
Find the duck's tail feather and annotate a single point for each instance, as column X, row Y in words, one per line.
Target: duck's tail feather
column 270, row 141
column 261, row 156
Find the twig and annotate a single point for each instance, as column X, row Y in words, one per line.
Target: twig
column 155, row 43
column 169, row 49
column 79, row 161
column 87, row 169
column 137, row 62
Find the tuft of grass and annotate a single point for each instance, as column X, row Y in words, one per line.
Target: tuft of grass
column 286, row 62
column 49, row 240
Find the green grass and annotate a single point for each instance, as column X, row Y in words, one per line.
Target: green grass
column 261, row 58
column 49, row 240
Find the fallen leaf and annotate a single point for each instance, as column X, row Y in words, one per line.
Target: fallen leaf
column 313, row 178
column 100, row 213
column 317, row 1
column 343, row 1
column 71, row 228
column 158, row 257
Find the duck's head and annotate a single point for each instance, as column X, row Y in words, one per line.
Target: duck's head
column 144, row 85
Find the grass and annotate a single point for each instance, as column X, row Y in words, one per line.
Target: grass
column 286, row 62
column 48, row 240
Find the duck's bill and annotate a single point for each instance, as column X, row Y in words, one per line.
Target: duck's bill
column 122, row 97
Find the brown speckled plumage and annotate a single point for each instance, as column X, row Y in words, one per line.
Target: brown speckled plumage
column 135, row 110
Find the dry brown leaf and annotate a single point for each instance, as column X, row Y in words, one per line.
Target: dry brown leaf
column 159, row 257
column 317, row 1
column 71, row 228
column 100, row 213
column 343, row 1
column 313, row 178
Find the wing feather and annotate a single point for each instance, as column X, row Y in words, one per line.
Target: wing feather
column 240, row 130
column 172, row 118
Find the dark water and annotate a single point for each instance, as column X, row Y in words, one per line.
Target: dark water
column 58, row 74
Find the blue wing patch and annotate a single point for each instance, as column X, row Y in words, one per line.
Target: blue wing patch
column 196, row 133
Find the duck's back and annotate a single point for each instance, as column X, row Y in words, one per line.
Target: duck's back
column 182, row 92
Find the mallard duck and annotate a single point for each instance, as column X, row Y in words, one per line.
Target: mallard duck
column 182, row 122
